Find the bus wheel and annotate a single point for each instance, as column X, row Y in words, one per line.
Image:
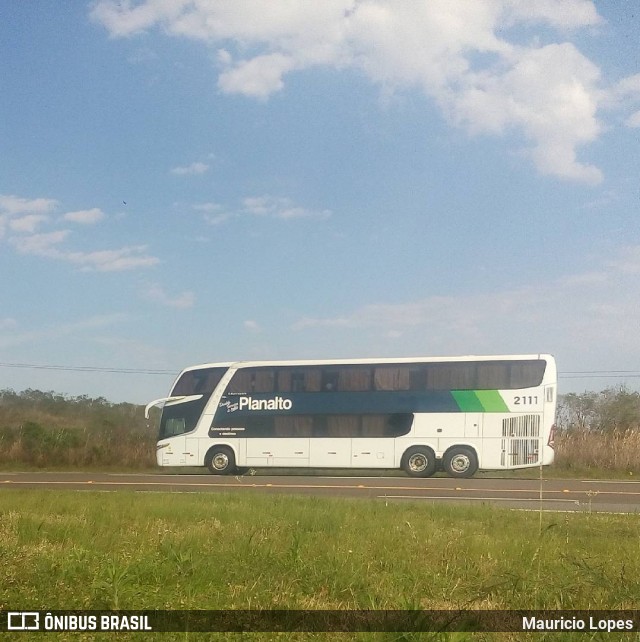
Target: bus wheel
column 220, row 460
column 419, row 461
column 460, row 462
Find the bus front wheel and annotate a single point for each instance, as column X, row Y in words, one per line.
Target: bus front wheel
column 220, row 460
column 419, row 461
column 460, row 462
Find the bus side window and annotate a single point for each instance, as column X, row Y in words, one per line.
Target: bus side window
column 343, row 425
column 175, row 427
column 330, row 380
column 399, row 424
column 391, row 378
column 264, row 380
column 451, row 376
column 493, row 375
column 312, row 379
column 285, row 380
column 242, row 381
column 374, row 426
column 526, row 374
column 354, row 379
column 302, row 380
column 418, row 378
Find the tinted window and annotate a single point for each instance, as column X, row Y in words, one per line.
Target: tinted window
column 180, row 418
column 357, row 379
column 198, row 382
column 392, row 378
column 297, row 379
column 477, row 375
column 332, row 426
column 248, row 380
column 451, row 376
column 455, row 375
column 526, row 374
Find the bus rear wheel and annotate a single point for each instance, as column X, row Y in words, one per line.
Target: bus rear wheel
column 220, row 460
column 419, row 461
column 460, row 462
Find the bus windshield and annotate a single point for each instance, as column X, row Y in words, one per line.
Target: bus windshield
column 182, row 416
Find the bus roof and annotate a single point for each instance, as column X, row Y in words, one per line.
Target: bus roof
column 342, row 362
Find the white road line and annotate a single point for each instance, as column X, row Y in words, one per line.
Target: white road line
column 481, row 499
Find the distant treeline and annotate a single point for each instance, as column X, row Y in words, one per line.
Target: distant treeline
column 46, row 429
column 597, row 432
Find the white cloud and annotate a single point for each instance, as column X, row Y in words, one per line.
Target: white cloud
column 190, row 170
column 214, row 213
column 8, row 323
column 259, row 77
column 29, row 212
column 594, row 311
column 280, row 208
column 209, row 208
column 252, row 326
column 274, row 207
column 48, row 246
column 633, row 120
column 464, row 55
column 85, row 217
column 28, row 223
column 40, row 244
column 125, row 258
column 23, row 216
column 16, row 205
column 157, row 294
column 628, row 261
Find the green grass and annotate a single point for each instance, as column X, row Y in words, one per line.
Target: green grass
column 72, row 550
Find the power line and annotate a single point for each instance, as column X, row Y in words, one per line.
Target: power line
column 34, row 366
column 599, row 374
column 569, row 374
column 572, row 372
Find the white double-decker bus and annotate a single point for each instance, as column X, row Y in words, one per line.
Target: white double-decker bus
column 459, row 414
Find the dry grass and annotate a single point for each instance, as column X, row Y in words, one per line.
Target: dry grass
column 585, row 450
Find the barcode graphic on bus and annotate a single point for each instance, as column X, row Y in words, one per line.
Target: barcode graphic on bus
column 520, row 443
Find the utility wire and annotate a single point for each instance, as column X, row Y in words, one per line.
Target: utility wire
column 569, row 374
column 34, row 366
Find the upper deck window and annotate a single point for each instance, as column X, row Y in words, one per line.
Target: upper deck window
column 445, row 375
column 198, row 382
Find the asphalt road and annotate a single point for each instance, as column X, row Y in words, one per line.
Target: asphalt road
column 532, row 494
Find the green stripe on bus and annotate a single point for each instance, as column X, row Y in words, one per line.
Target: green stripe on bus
column 492, row 401
column 467, row 400
column 479, row 401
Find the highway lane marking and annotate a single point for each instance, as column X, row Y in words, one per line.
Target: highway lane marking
column 483, row 499
column 320, row 486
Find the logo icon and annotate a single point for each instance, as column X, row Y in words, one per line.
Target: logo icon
column 23, row 621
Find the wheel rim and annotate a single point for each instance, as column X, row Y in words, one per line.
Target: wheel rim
column 220, row 461
column 417, row 463
column 460, row 463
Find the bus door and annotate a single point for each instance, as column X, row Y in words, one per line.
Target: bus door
column 325, row 452
column 286, row 442
column 277, row 452
column 375, row 445
column 179, row 417
column 472, row 425
column 260, row 451
column 373, row 452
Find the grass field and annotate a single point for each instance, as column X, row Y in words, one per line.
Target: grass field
column 68, row 550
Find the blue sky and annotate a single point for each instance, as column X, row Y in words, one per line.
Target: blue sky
column 189, row 181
